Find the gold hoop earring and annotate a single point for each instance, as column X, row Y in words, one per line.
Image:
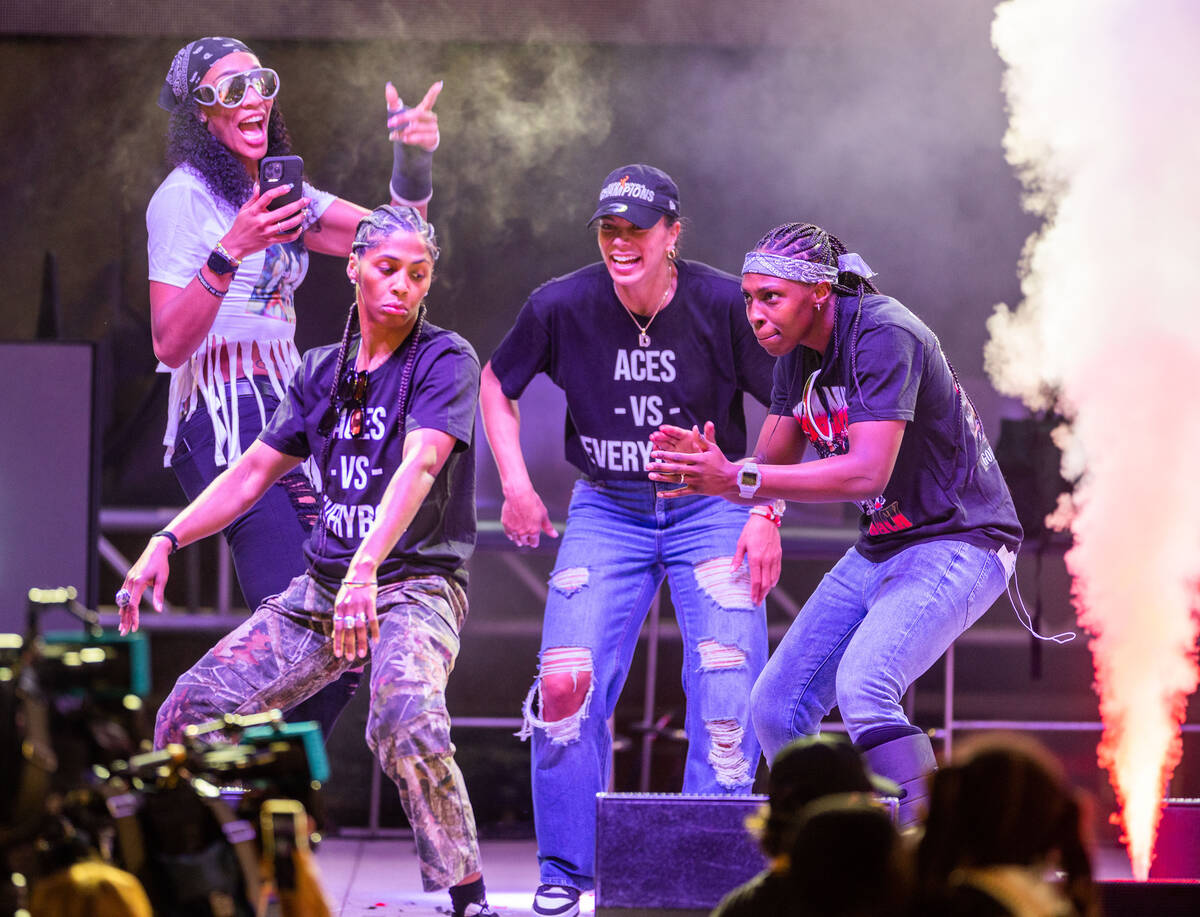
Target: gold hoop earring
column 672, row 253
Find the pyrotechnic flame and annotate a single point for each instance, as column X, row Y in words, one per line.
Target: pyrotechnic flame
column 1103, row 98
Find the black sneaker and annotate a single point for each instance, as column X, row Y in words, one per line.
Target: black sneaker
column 556, row 901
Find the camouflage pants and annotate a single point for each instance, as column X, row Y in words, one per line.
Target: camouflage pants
column 283, row 654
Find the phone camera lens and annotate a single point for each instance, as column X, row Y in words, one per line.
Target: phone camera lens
column 274, row 171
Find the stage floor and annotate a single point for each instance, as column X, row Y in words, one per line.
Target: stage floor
column 378, row 877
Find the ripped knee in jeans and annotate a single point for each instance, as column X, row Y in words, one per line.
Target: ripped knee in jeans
column 569, row 580
column 730, row 589
column 562, row 693
column 714, row 655
column 725, row 754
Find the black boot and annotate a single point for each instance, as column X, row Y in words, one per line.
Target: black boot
column 908, row 760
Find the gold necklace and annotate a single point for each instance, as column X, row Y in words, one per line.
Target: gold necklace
column 643, row 332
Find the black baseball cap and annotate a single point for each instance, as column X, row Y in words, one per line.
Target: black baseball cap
column 821, row 765
column 638, row 193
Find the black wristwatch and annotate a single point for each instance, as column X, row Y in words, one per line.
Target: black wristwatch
column 219, row 264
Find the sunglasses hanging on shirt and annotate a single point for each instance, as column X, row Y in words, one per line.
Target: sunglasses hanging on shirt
column 351, row 396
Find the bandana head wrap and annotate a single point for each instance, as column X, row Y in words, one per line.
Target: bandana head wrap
column 802, row 271
column 190, row 64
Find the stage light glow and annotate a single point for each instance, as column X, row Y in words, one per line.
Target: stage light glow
column 1102, row 97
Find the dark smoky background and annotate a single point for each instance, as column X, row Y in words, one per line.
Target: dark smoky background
column 881, row 121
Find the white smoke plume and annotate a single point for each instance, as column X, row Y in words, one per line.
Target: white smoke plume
column 1104, row 104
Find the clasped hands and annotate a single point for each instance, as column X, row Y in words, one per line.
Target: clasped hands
column 691, row 458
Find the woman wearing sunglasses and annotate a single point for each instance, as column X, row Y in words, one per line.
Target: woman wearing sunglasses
column 224, row 267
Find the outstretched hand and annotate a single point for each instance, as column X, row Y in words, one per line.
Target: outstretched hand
column 414, row 126
column 703, row 471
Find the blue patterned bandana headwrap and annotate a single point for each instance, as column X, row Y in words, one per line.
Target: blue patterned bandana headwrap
column 190, row 64
column 797, row 269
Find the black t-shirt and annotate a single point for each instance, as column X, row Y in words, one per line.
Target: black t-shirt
column 443, row 394
column 946, row 483
column 702, row 357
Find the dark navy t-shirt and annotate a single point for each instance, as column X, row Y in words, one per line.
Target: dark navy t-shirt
column 702, row 357
column 946, row 483
column 443, row 394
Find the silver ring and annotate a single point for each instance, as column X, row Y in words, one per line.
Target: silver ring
column 361, row 617
column 339, row 619
column 124, row 598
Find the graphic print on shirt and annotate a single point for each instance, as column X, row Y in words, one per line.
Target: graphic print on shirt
column 645, row 410
column 983, row 448
column 355, row 477
column 274, row 293
column 824, row 418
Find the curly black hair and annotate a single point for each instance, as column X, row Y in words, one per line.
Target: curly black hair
column 190, row 143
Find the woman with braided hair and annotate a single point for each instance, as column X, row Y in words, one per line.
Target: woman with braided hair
column 389, row 414
column 865, row 381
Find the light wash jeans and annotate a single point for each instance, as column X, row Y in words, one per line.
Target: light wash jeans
column 621, row 540
column 867, row 632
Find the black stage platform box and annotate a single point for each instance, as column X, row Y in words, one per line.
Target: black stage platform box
column 666, row 852
column 1177, row 847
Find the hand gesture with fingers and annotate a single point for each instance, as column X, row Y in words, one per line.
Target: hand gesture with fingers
column 704, row 471
column 354, row 619
column 414, row 126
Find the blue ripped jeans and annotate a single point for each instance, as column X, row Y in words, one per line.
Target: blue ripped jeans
column 267, row 540
column 868, row 632
column 621, row 540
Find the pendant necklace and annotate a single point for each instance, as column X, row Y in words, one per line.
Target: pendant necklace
column 644, row 331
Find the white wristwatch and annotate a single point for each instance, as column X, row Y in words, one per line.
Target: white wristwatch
column 748, row 479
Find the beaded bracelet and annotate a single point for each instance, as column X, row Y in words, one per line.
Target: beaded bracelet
column 165, row 533
column 767, row 511
column 236, row 262
column 220, row 294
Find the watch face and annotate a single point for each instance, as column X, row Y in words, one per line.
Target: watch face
column 747, row 478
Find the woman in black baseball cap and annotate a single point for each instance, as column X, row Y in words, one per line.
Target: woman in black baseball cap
column 640, row 338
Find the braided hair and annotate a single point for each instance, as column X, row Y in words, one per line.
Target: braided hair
column 806, row 242
column 372, row 230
